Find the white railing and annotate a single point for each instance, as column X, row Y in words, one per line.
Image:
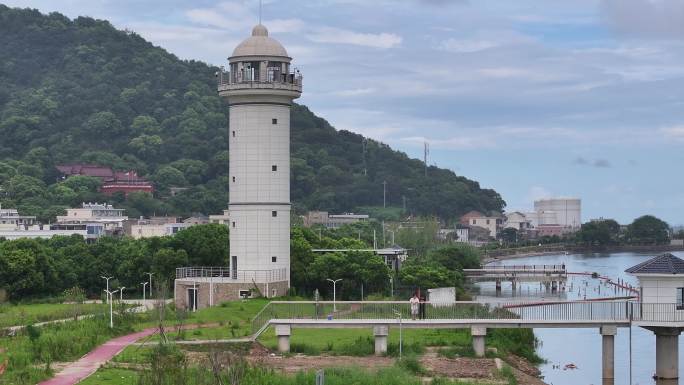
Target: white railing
column 276, row 80
column 226, row 274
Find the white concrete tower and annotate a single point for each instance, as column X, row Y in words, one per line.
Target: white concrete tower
column 260, row 88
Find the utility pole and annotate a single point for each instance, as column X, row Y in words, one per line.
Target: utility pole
column 384, row 194
column 121, row 293
column 426, row 152
column 107, row 289
column 334, row 282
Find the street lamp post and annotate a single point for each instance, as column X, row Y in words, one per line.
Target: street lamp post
column 107, row 289
column 334, row 282
column 121, row 293
column 110, row 295
column 150, row 274
column 144, row 284
column 398, row 314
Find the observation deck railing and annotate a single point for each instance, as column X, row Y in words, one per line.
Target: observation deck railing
column 223, row 274
column 279, row 81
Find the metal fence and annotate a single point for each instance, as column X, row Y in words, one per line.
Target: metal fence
column 370, row 310
column 225, row 274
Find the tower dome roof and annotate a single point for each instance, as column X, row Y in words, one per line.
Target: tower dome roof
column 260, row 44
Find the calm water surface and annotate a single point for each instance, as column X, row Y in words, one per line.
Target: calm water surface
column 582, row 347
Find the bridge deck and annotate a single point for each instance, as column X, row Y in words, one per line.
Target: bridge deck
column 447, row 323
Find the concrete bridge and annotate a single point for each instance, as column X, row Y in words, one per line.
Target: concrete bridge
column 665, row 320
column 549, row 275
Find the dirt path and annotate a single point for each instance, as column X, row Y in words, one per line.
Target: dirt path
column 74, row 372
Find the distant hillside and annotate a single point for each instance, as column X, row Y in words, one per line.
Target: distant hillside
column 81, row 90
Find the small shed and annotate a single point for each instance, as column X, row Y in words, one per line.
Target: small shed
column 661, row 280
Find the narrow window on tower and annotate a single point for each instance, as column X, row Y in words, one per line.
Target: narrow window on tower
column 233, row 224
column 274, row 213
column 274, row 121
column 274, row 259
column 233, row 134
column 274, row 168
column 233, row 266
column 233, row 179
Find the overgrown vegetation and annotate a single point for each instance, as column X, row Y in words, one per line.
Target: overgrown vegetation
column 30, row 354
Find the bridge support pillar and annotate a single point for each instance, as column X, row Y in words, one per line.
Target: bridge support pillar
column 554, row 286
column 380, row 332
column 608, row 360
column 667, row 352
column 478, row 334
column 283, row 333
column 498, row 285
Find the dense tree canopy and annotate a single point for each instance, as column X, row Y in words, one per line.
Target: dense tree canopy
column 81, row 91
column 648, row 230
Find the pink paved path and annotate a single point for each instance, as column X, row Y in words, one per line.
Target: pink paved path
column 88, row 364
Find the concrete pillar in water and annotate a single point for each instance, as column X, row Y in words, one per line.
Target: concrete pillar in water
column 667, row 352
column 554, row 286
column 498, row 285
column 608, row 361
column 380, row 332
column 283, row 333
column 478, row 334
column 514, row 285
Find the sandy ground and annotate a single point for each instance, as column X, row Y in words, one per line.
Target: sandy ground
column 482, row 370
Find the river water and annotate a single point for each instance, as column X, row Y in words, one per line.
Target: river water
column 582, row 347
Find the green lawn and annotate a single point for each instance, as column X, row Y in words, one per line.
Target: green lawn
column 360, row 341
column 14, row 315
column 111, row 376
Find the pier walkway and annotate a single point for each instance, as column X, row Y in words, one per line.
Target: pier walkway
column 380, row 316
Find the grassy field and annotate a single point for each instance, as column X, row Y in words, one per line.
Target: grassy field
column 258, row 376
column 15, row 315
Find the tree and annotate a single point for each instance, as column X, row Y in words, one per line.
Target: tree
column 166, row 260
column 205, row 245
column 599, row 233
column 509, row 235
column 648, row 230
column 426, row 276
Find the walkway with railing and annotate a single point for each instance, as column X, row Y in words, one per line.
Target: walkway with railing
column 513, row 314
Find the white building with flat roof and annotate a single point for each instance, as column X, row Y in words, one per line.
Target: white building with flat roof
column 10, row 219
column 567, row 211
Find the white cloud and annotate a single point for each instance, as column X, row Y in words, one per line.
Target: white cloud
column 466, row 46
column 674, row 132
column 538, row 192
column 646, row 18
column 342, row 36
column 454, row 143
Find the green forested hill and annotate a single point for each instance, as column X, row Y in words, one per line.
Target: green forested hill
column 82, row 91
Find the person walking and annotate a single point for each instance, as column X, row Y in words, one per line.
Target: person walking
column 414, row 302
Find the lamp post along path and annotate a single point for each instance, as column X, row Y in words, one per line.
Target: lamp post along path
column 144, row 285
column 150, row 282
column 110, row 295
column 107, row 289
column 334, row 282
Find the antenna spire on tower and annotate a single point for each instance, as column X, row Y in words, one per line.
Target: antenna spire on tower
column 260, row 7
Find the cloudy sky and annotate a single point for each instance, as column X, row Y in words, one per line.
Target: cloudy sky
column 533, row 98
